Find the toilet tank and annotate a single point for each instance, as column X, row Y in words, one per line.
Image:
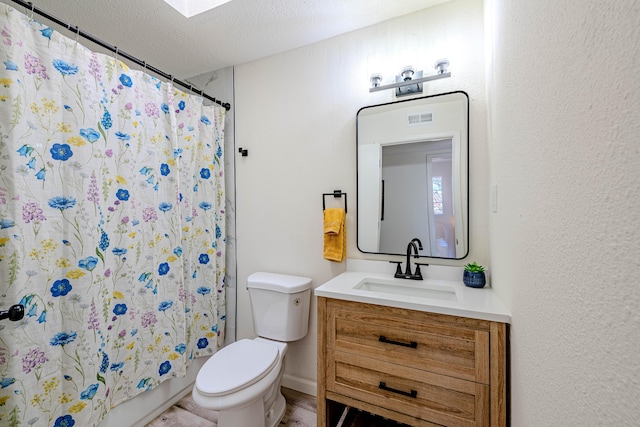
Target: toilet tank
column 280, row 305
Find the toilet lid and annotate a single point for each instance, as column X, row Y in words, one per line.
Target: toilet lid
column 236, row 366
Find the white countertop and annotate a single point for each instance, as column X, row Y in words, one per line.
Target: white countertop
column 474, row 303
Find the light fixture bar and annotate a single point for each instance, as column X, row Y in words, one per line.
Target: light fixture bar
column 411, row 82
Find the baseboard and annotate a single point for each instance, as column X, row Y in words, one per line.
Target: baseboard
column 300, row 384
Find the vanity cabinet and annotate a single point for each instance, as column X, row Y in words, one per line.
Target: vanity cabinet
column 413, row 367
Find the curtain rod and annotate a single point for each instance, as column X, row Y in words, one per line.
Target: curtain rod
column 118, row 52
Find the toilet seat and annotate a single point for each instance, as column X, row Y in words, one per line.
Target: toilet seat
column 236, row 366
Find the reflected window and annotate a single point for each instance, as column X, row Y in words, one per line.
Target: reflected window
column 438, row 208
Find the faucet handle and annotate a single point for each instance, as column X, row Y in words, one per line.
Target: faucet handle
column 418, row 273
column 398, row 268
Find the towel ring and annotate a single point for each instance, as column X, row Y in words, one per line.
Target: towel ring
column 336, row 194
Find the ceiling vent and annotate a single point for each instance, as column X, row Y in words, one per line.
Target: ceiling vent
column 419, row 119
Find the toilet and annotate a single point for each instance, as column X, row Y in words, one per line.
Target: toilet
column 242, row 380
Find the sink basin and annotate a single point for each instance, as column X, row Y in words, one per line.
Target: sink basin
column 410, row 289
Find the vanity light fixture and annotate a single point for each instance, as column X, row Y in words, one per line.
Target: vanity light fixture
column 407, row 73
column 375, row 79
column 441, row 65
column 410, row 81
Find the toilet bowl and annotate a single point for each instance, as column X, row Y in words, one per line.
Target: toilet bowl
column 246, row 385
column 242, row 380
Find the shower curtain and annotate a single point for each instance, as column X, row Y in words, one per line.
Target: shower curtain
column 111, row 228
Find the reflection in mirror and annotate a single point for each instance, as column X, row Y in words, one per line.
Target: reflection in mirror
column 412, row 161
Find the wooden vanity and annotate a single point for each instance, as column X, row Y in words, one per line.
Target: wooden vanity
column 414, row 367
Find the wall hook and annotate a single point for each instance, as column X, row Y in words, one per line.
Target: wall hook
column 244, row 152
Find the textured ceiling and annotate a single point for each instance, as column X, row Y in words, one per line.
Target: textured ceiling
column 232, row 34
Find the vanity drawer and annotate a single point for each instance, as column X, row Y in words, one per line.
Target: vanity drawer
column 424, row 395
column 447, row 345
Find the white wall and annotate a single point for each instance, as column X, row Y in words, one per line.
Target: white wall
column 564, row 91
column 295, row 113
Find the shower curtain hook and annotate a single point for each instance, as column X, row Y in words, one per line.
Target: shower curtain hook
column 33, row 6
column 77, row 33
column 116, row 56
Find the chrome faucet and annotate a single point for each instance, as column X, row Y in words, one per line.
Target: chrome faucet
column 417, row 275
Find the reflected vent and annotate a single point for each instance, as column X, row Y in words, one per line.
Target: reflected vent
column 419, row 119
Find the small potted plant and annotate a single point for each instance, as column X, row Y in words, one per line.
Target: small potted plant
column 474, row 275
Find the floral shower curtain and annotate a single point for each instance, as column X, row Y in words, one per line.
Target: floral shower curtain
column 111, row 228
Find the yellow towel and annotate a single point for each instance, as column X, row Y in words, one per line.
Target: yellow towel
column 335, row 235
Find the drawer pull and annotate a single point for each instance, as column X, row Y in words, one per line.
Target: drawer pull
column 412, row 393
column 411, row 344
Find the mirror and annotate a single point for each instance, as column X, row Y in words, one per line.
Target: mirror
column 412, row 176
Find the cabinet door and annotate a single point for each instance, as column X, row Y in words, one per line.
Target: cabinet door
column 424, row 395
column 441, row 344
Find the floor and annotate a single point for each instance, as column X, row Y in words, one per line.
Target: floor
column 301, row 412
